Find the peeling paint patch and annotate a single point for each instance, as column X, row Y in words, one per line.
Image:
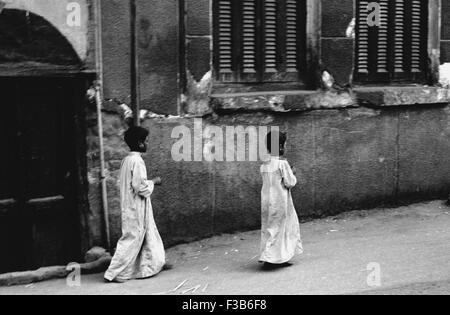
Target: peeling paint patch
column 414, row 96
column 127, row 113
column 324, row 100
column 444, row 75
column 146, row 114
column 362, row 112
column 285, row 101
column 197, row 97
column 350, row 32
column 327, row 80
column 397, row 96
column 255, row 102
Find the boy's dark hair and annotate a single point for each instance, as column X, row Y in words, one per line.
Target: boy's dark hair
column 135, row 136
column 271, row 144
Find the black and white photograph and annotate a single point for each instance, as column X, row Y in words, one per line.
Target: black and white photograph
column 218, row 154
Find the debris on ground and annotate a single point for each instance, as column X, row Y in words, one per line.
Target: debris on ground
column 180, row 285
column 192, row 290
column 56, row 272
column 95, row 254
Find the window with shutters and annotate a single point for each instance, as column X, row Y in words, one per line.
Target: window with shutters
column 259, row 41
column 396, row 50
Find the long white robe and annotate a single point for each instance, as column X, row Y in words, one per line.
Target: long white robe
column 140, row 252
column 280, row 230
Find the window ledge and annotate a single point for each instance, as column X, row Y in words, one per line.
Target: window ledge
column 286, row 101
column 283, row 101
column 401, row 95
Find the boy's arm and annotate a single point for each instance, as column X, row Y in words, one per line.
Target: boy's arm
column 289, row 179
column 140, row 184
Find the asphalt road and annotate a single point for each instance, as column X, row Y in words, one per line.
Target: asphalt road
column 409, row 246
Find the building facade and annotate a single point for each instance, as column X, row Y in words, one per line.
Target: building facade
column 355, row 84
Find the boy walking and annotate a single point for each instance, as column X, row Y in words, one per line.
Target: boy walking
column 280, row 231
column 140, row 252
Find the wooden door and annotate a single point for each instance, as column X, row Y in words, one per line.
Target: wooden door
column 38, row 173
column 10, row 224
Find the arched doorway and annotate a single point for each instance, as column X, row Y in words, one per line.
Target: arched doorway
column 42, row 92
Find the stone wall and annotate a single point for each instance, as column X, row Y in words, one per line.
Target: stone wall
column 348, row 159
column 158, row 54
column 115, row 151
column 354, row 148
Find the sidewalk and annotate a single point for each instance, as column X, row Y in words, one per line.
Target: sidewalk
column 410, row 244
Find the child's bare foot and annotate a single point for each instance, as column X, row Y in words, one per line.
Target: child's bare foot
column 115, row 281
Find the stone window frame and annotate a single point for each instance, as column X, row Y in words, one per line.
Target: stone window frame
column 313, row 36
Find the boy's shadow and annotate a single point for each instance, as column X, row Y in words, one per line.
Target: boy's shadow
column 265, row 268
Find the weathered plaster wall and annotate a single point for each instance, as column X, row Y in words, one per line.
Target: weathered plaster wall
column 115, row 151
column 158, row 54
column 354, row 148
column 198, row 39
column 158, row 51
column 347, row 159
column 116, row 52
column 337, row 49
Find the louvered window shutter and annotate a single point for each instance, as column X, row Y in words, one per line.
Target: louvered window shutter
column 395, row 50
column 224, row 35
column 270, row 38
column 259, row 40
column 249, row 36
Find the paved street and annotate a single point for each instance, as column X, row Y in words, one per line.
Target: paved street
column 410, row 244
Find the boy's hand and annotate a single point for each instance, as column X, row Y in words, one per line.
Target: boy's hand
column 157, row 180
column 294, row 170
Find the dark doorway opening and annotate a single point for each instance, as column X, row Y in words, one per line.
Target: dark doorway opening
column 43, row 185
column 39, row 172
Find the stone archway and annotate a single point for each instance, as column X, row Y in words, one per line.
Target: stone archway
column 27, row 37
column 56, row 12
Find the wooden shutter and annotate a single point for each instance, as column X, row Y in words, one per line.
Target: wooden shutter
column 292, row 16
column 270, row 38
column 418, row 61
column 259, row 40
column 417, row 43
column 399, row 36
column 383, row 42
column 372, row 47
column 249, row 26
column 362, row 30
column 396, row 50
column 224, row 35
